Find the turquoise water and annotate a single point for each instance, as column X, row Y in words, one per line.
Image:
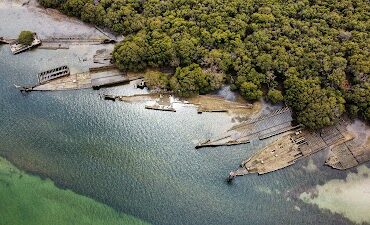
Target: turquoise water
column 142, row 162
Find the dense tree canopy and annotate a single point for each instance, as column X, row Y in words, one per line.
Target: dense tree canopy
column 275, row 96
column 156, row 80
column 193, row 80
column 250, row 91
column 359, row 100
column 258, row 43
column 315, row 107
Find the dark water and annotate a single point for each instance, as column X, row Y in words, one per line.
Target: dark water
column 142, row 162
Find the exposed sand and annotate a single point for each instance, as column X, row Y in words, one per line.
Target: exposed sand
column 311, row 166
column 360, row 130
column 238, row 108
column 349, row 197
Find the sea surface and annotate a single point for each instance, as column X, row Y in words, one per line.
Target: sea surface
column 137, row 161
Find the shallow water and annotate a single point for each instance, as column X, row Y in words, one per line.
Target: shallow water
column 350, row 197
column 26, row 199
column 138, row 161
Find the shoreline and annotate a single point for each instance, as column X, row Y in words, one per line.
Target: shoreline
column 204, row 103
column 236, row 118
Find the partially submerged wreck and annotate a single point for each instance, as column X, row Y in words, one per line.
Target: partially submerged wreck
column 16, row 47
column 52, row 74
column 60, row 79
column 348, row 155
column 346, row 151
column 263, row 127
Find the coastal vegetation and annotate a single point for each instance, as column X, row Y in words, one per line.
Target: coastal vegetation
column 275, row 96
column 156, row 80
column 25, row 38
column 193, row 80
column 312, row 54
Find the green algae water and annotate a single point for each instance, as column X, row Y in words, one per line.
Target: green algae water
column 27, row 199
column 139, row 162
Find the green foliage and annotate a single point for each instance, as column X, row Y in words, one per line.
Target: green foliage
column 315, row 107
column 192, row 80
column 218, row 60
column 359, row 100
column 25, row 38
column 161, row 50
column 52, row 3
column 156, row 80
column 323, row 43
column 353, row 111
column 275, row 96
column 73, row 7
column 250, row 91
column 132, row 53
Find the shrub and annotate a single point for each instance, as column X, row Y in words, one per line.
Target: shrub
column 25, row 38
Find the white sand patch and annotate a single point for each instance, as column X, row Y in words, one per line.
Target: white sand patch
column 360, row 130
column 349, row 197
column 311, row 166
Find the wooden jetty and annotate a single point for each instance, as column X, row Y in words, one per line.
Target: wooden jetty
column 239, row 172
column 132, row 98
column 56, row 43
column 25, row 88
column 52, row 74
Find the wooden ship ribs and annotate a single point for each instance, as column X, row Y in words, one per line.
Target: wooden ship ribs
column 266, row 126
column 346, row 152
column 281, row 153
